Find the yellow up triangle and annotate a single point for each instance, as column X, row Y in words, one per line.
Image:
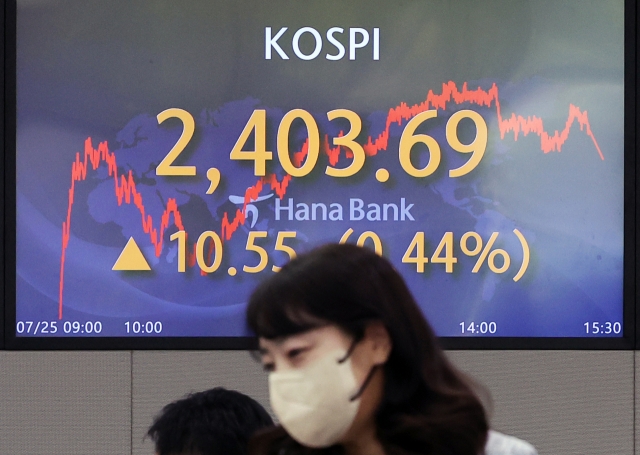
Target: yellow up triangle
column 131, row 258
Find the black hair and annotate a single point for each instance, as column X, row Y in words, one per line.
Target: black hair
column 428, row 406
column 213, row 422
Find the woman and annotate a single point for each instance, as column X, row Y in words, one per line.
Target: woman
column 354, row 367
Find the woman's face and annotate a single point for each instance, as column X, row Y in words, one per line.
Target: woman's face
column 297, row 351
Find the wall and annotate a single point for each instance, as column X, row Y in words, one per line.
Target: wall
column 86, row 403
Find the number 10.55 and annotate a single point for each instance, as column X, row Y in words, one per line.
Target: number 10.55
column 209, row 258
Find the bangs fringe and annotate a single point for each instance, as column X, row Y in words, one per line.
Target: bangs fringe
column 280, row 311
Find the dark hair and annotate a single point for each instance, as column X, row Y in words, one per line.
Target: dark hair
column 428, row 407
column 213, row 422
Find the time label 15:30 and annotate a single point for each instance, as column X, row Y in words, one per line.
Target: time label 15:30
column 603, row 328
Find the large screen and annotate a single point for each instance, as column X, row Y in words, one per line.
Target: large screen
column 171, row 155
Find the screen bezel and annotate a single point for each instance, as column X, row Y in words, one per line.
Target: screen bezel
column 9, row 340
column 3, row 55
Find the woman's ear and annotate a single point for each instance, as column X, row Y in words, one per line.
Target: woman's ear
column 379, row 340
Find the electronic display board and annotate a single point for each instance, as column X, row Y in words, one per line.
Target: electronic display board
column 170, row 155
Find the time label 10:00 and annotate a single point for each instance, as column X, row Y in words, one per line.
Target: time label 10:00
column 209, row 258
column 257, row 124
column 148, row 327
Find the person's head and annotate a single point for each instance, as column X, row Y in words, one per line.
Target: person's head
column 342, row 302
column 213, row 422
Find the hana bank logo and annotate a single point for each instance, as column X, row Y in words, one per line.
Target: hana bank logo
column 251, row 211
column 359, row 38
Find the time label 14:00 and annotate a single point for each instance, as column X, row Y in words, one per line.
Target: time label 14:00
column 208, row 251
column 304, row 161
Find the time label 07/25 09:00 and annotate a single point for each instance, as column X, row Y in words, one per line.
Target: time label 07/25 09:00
column 52, row 328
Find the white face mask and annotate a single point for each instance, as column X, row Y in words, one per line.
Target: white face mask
column 316, row 404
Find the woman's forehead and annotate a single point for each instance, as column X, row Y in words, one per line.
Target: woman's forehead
column 328, row 333
column 275, row 343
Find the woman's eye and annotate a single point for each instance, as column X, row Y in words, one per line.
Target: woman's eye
column 269, row 367
column 292, row 354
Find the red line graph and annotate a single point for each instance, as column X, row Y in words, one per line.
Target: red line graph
column 515, row 123
column 126, row 192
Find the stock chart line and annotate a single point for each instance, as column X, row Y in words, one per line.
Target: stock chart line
column 126, row 192
column 515, row 123
column 125, row 187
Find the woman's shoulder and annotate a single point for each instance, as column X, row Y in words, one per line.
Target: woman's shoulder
column 502, row 444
